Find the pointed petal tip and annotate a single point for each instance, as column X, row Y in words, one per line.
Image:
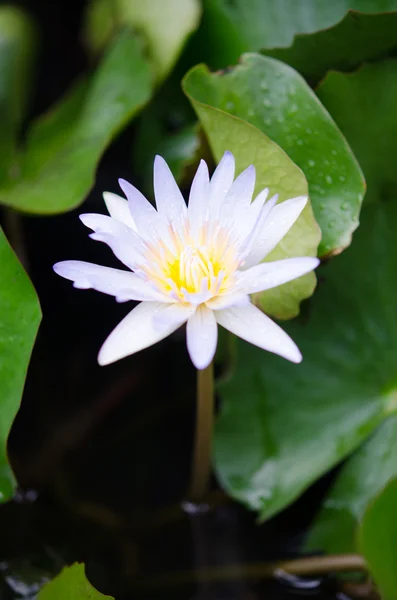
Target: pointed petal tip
column 295, row 357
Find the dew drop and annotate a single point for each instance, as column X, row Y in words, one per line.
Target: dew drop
column 328, row 179
column 342, row 178
column 267, row 102
column 334, row 152
column 263, row 85
column 345, row 206
column 300, row 142
column 251, row 112
column 308, row 130
column 268, row 121
column 311, row 163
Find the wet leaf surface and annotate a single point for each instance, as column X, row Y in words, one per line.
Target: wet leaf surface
column 282, row 426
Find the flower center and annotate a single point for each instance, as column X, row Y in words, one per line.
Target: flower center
column 193, row 266
column 191, row 271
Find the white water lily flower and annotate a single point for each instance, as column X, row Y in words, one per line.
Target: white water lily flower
column 195, row 264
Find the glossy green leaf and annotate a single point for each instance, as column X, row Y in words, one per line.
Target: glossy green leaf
column 359, row 481
column 364, row 106
column 17, row 45
column 231, row 28
column 71, row 584
column 19, row 319
column 343, row 47
column 281, row 425
column 63, row 148
column 378, row 540
column 274, row 170
column 275, row 98
column 164, row 26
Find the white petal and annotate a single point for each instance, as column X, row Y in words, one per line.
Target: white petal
column 256, row 226
column 138, row 331
column 169, row 200
column 149, row 223
column 124, row 242
column 278, row 223
column 269, row 275
column 247, row 218
column 240, row 193
column 199, row 198
column 202, row 337
column 118, row 209
column 124, row 285
column 252, row 325
column 227, row 300
column 221, row 181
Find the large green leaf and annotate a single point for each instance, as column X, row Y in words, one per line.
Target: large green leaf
column 231, row 28
column 359, row 481
column 63, row 148
column 275, row 98
column 378, row 540
column 17, row 39
column 281, row 425
column 364, row 106
column 19, row 319
column 163, row 25
column 274, row 170
column 71, row 584
column 352, row 41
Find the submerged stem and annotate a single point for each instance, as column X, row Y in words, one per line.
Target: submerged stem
column 306, row 566
column 201, row 467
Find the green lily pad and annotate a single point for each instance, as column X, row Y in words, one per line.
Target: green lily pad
column 63, row 148
column 231, row 28
column 275, row 171
column 356, row 39
column 363, row 105
column 17, row 49
column 277, row 100
column 282, row 426
column 19, row 320
column 359, row 481
column 378, row 540
column 71, row 584
column 164, row 30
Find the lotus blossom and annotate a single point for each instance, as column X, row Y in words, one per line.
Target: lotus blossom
column 195, row 264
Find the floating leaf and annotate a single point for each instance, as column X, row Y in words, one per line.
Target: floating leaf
column 358, row 482
column 281, row 425
column 343, row 47
column 275, row 98
column 364, row 106
column 71, row 584
column 17, row 45
column 231, row 28
column 63, row 148
column 378, row 540
column 274, row 170
column 164, row 27
column 19, row 319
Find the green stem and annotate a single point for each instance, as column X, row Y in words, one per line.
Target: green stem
column 309, row 565
column 201, row 468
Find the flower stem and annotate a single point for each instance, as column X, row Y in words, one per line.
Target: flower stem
column 305, row 566
column 201, row 468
